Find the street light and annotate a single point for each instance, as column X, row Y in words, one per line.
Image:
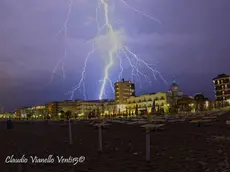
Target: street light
column 228, row 101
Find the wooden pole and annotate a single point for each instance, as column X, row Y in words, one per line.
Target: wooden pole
column 147, row 144
column 70, row 133
column 100, row 137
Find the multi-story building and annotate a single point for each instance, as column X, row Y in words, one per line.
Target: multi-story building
column 18, row 113
column 66, row 105
column 53, row 109
column 82, row 108
column 57, row 108
column 186, row 104
column 198, row 102
column 110, row 107
column 174, row 94
column 94, row 107
column 145, row 103
column 123, row 91
column 201, row 102
column 31, row 112
column 222, row 89
column 34, row 112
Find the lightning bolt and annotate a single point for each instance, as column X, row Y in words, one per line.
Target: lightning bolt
column 115, row 48
column 63, row 29
column 118, row 46
column 140, row 12
column 115, row 52
column 82, row 80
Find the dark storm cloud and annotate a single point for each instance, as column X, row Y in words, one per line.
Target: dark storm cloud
column 191, row 44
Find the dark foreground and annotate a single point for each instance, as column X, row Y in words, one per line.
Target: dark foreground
column 179, row 147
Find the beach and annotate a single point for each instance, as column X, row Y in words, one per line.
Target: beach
column 176, row 147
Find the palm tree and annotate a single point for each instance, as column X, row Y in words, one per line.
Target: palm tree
column 62, row 114
column 68, row 114
column 136, row 110
column 153, row 107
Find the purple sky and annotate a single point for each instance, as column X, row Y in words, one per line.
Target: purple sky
column 191, row 45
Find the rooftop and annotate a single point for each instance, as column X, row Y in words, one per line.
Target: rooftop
column 221, row 76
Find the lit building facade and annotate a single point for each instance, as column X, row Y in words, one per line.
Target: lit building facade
column 186, row 104
column 53, row 109
column 222, row 89
column 123, row 91
column 201, row 102
column 144, row 104
column 58, row 108
column 66, row 105
column 195, row 103
column 94, row 108
column 18, row 113
column 32, row 112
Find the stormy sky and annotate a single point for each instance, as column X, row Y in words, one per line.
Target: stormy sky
column 190, row 44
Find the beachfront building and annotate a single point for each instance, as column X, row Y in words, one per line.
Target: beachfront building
column 195, row 103
column 186, row 104
column 94, row 108
column 146, row 104
column 52, row 109
column 34, row 112
column 123, row 90
column 6, row 115
column 18, row 114
column 57, row 109
column 81, row 108
column 173, row 95
column 201, row 102
column 65, row 105
column 222, row 90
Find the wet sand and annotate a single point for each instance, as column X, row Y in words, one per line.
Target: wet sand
column 179, row 147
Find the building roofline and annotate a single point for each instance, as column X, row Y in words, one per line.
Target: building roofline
column 221, row 76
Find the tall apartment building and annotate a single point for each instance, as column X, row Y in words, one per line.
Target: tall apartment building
column 123, row 91
column 222, row 88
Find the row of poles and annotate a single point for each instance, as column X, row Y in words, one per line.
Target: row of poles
column 21, row 167
column 148, row 129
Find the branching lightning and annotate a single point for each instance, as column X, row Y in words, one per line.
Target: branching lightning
column 81, row 82
column 64, row 29
column 114, row 48
column 111, row 42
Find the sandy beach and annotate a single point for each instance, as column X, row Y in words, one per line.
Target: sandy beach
column 177, row 147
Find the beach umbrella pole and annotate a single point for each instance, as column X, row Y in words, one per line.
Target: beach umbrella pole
column 147, row 144
column 100, row 137
column 70, row 133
